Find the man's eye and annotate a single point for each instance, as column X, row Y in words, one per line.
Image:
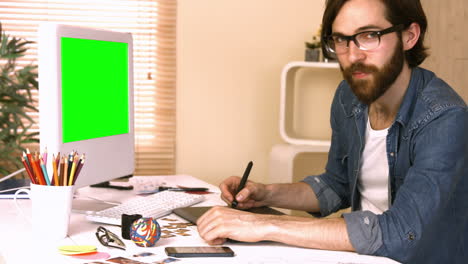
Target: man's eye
column 369, row 35
column 339, row 39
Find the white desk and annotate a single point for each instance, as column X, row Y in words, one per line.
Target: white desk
column 16, row 245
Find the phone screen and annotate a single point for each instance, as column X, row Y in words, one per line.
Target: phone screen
column 182, row 252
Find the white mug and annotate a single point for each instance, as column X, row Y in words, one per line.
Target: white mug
column 50, row 210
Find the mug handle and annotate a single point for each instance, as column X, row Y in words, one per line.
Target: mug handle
column 16, row 202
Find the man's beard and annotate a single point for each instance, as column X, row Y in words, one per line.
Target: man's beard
column 367, row 91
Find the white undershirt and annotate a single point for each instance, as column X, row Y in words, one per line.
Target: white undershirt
column 373, row 178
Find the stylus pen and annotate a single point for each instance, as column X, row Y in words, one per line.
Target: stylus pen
column 242, row 183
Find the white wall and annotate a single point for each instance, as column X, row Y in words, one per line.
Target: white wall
column 230, row 56
column 448, row 42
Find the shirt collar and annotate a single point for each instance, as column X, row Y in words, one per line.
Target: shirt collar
column 408, row 103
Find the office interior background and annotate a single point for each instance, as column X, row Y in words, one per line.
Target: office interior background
column 226, row 98
column 230, row 56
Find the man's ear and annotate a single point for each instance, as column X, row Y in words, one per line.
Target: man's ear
column 411, row 36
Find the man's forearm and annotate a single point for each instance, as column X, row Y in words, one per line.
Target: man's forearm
column 296, row 196
column 329, row 234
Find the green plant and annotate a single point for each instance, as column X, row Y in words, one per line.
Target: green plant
column 16, row 84
column 316, row 43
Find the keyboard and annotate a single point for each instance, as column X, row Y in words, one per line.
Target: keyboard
column 155, row 205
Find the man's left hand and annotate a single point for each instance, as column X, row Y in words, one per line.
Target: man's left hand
column 221, row 223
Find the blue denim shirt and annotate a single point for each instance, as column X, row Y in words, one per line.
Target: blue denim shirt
column 427, row 151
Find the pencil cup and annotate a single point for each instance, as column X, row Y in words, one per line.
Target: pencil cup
column 50, row 210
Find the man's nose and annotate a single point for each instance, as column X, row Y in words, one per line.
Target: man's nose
column 354, row 53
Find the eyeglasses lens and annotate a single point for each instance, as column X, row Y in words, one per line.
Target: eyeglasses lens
column 364, row 41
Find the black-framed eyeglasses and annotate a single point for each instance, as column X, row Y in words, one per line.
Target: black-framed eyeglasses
column 366, row 40
column 109, row 239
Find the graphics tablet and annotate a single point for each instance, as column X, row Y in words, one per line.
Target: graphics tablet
column 192, row 214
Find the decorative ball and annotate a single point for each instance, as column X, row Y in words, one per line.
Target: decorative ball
column 145, row 232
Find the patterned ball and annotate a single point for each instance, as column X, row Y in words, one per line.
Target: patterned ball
column 145, row 232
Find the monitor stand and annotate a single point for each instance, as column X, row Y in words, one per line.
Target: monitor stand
column 107, row 184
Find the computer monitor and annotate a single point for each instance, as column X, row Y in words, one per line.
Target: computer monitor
column 86, row 99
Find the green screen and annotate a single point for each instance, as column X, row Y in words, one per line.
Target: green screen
column 94, row 89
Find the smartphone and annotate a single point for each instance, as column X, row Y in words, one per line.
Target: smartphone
column 189, row 252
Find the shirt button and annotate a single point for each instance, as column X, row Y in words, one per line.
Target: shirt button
column 392, row 154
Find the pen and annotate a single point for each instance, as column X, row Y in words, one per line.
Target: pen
column 242, row 183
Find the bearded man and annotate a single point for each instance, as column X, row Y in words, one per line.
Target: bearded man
column 398, row 155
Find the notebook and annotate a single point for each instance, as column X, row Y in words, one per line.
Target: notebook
column 192, row 214
column 10, row 186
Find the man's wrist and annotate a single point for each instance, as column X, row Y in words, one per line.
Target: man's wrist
column 270, row 190
column 271, row 225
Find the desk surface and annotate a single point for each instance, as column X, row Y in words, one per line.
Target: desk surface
column 17, row 246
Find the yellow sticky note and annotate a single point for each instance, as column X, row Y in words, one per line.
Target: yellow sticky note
column 74, row 250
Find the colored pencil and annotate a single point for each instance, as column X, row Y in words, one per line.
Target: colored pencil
column 28, row 170
column 44, row 156
column 37, row 172
column 29, row 156
column 28, row 162
column 44, row 171
column 65, row 171
column 57, row 159
column 61, row 176
column 72, row 172
column 70, row 161
column 54, row 167
column 78, row 169
column 65, row 168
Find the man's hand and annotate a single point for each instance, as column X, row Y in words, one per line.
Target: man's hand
column 253, row 194
column 220, row 223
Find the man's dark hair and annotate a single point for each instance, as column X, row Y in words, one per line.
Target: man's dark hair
column 397, row 12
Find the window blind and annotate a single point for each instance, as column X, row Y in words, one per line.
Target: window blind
column 153, row 25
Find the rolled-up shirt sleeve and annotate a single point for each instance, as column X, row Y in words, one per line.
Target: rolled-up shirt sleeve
column 363, row 227
column 329, row 200
column 364, row 231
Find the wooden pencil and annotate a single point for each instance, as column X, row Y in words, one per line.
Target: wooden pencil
column 44, row 171
column 73, row 169
column 61, row 176
column 78, row 169
column 65, row 171
column 28, row 162
column 28, row 170
column 54, row 168
column 37, row 172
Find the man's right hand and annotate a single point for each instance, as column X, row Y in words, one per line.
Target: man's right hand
column 252, row 195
